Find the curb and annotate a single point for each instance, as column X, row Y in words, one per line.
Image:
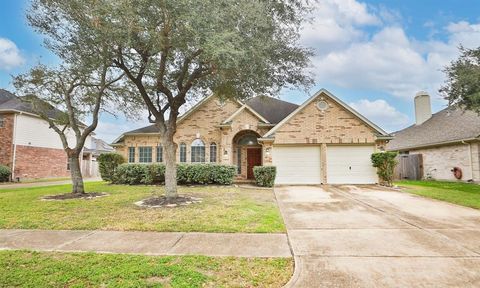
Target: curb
column 297, row 270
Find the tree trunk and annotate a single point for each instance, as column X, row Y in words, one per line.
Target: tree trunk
column 76, row 173
column 170, row 149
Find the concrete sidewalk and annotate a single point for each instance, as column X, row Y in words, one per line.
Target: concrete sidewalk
column 43, row 184
column 148, row 243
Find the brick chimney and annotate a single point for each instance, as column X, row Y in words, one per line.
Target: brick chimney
column 423, row 108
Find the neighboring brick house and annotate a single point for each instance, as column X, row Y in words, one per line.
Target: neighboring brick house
column 447, row 139
column 322, row 141
column 28, row 146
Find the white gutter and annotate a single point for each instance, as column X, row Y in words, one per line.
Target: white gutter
column 14, row 142
column 433, row 144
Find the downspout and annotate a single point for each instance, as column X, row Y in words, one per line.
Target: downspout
column 469, row 158
column 14, row 145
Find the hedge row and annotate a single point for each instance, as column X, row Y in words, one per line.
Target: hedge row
column 134, row 174
column 4, row 173
column 108, row 163
column 265, row 175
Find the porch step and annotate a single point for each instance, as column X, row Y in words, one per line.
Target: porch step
column 243, row 181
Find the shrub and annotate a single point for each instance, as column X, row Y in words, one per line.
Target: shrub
column 205, row 174
column 223, row 174
column 135, row 174
column 131, row 174
column 385, row 163
column 265, row 175
column 4, row 173
column 156, row 174
column 108, row 163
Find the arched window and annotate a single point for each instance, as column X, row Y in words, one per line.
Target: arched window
column 248, row 140
column 213, row 152
column 198, row 151
column 183, row 152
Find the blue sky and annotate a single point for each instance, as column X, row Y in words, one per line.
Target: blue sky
column 374, row 55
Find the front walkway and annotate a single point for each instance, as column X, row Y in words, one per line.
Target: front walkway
column 148, row 243
column 367, row 236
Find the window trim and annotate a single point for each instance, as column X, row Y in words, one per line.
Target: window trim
column 145, row 156
column 239, row 160
column 182, row 151
column 213, row 152
column 159, row 152
column 131, row 154
column 197, row 146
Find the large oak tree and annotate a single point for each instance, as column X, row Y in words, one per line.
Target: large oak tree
column 462, row 86
column 66, row 97
column 173, row 51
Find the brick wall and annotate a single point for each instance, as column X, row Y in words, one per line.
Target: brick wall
column 439, row 161
column 335, row 125
column 6, row 139
column 204, row 122
column 37, row 162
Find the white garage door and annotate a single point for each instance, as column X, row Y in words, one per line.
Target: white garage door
column 350, row 165
column 297, row 165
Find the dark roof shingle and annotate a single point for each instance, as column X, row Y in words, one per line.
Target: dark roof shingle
column 447, row 125
column 147, row 129
column 272, row 109
column 9, row 101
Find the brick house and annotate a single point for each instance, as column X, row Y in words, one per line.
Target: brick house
column 30, row 148
column 321, row 141
column 447, row 139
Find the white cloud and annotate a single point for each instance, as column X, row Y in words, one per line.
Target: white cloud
column 391, row 62
column 109, row 131
column 10, row 56
column 336, row 23
column 382, row 114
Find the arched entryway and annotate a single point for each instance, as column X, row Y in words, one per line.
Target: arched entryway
column 247, row 153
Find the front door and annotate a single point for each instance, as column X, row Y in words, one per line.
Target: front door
column 254, row 158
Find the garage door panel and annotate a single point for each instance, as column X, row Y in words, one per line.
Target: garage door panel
column 350, row 165
column 297, row 165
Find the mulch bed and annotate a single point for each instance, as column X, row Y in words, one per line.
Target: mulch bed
column 69, row 196
column 163, row 202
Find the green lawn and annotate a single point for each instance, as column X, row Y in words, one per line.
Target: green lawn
column 49, row 269
column 224, row 209
column 466, row 194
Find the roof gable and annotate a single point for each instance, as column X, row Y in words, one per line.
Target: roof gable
column 335, row 99
column 246, row 108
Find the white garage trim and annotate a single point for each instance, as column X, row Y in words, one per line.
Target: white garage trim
column 350, row 164
column 297, row 164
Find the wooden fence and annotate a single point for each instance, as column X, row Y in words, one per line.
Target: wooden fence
column 410, row 166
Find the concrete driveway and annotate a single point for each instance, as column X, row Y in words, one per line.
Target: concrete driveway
column 368, row 236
